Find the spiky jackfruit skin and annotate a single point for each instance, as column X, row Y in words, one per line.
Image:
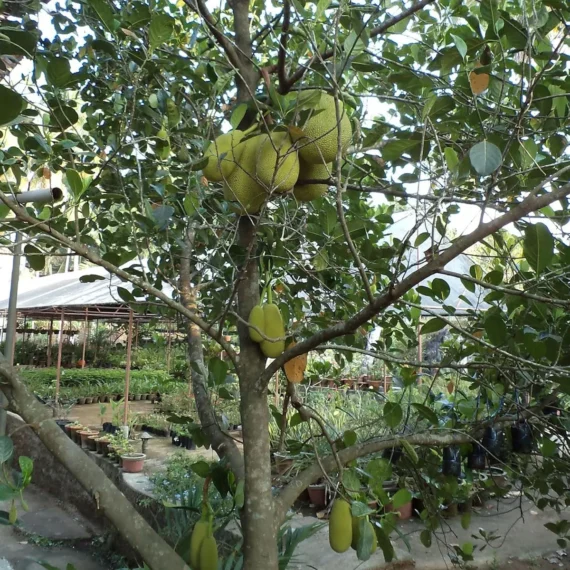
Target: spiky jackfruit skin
column 256, row 318
column 320, row 141
column 223, row 155
column 208, row 554
column 200, row 532
column 340, row 526
column 277, row 165
column 273, row 328
column 308, row 192
column 242, row 185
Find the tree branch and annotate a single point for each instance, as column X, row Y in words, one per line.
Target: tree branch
column 437, row 263
column 22, row 214
column 281, row 58
column 378, row 30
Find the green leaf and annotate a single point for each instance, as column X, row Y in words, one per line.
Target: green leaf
column 201, row 468
column 58, row 72
column 485, row 158
column 11, row 104
column 161, row 30
column 392, row 414
column 433, row 325
column 465, row 520
column 105, row 13
column 365, row 539
column 379, row 470
column 441, row 288
column 467, row 548
column 7, row 493
column 322, row 5
column 421, row 238
column 385, row 544
column 451, row 158
column 349, row 437
column 359, row 509
column 18, row 42
column 401, row 498
column 191, row 203
column 548, row 447
column 351, row 481
column 237, row 115
column 73, row 182
column 26, row 467
column 395, row 149
column 35, row 257
column 538, row 246
column 460, row 45
column 91, row 278
column 239, row 496
column 426, row 413
column 425, row 538
column 321, row 260
column 218, row 370
column 496, row 329
column 6, row 448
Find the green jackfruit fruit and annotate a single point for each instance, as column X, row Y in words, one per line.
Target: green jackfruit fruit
column 256, row 318
column 277, row 164
column 242, row 185
column 319, row 142
column 200, row 532
column 340, row 526
column 273, row 328
column 308, row 192
column 223, row 155
column 208, row 554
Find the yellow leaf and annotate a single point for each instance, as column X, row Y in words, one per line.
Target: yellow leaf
column 295, row 368
column 479, row 81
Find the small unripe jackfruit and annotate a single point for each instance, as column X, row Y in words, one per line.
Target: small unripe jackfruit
column 200, row 532
column 223, row 155
column 257, row 319
column 277, row 165
column 273, row 328
column 308, row 192
column 319, row 142
column 242, row 185
column 208, row 554
column 340, row 526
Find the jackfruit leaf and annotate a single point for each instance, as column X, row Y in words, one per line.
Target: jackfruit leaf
column 105, row 13
column 392, row 414
column 359, row 509
column 451, row 158
column 465, row 521
column 349, row 437
column 191, row 203
column 35, row 257
column 426, row 413
column 7, row 493
column 58, row 72
column 11, row 104
column 90, row 278
column 485, row 158
column 26, row 469
column 239, row 496
column 321, row 260
column 125, row 295
column 73, row 182
column 384, row 543
column 433, row 325
column 460, row 45
column 237, row 115
column 218, row 371
column 161, row 29
column 425, row 538
column 496, row 329
column 365, row 539
column 6, row 448
column 379, row 470
column 201, row 468
column 401, row 498
column 538, row 246
column 351, row 481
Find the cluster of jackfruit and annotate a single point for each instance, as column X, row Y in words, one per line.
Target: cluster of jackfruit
column 203, row 546
column 268, row 321
column 345, row 530
column 254, row 167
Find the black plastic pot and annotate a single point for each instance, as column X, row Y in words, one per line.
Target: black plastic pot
column 63, row 423
column 393, row 454
column 521, row 435
column 183, row 441
column 106, row 426
column 451, row 464
column 476, row 459
column 493, row 442
column 190, row 443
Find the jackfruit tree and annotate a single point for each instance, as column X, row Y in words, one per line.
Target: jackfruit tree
column 306, row 174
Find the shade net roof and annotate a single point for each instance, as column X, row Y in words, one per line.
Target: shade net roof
column 45, row 297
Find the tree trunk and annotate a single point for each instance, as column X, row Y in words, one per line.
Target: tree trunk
column 114, row 505
column 259, row 531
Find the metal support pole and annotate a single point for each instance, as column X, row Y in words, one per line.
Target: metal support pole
column 59, row 352
column 50, row 343
column 12, row 323
column 85, row 336
column 128, row 367
column 168, row 346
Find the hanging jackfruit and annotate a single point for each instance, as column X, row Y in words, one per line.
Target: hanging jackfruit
column 257, row 319
column 340, row 526
column 273, row 328
column 208, row 554
column 223, row 155
column 295, row 368
column 308, row 192
column 200, row 532
column 241, row 185
column 318, row 142
column 277, row 165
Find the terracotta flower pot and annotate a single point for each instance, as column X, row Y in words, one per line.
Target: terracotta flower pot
column 92, row 442
column 104, row 446
column 133, row 462
column 137, row 397
column 75, row 429
column 405, row 511
column 318, row 495
column 88, row 400
column 85, row 435
column 81, row 401
column 68, row 430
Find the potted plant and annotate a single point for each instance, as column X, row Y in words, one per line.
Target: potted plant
column 521, row 436
column 476, row 458
column 318, row 494
column 133, row 462
column 92, row 442
column 75, row 429
column 85, row 434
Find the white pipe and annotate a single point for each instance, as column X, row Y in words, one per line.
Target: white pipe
column 40, row 196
